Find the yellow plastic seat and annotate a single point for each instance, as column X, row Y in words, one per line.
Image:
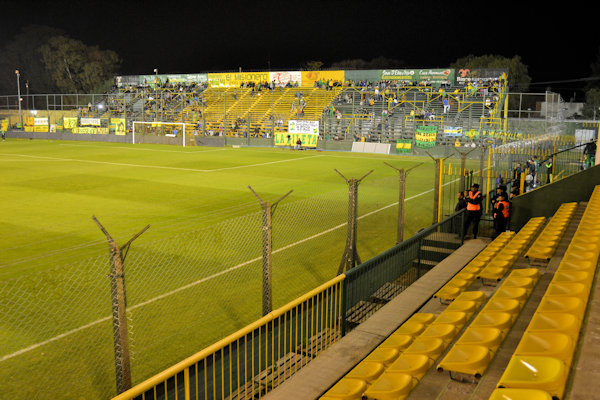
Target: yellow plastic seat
column 391, row 386
column 526, row 273
column 562, row 304
column 493, row 273
column 473, row 269
column 516, row 293
column 583, row 277
column 448, row 292
column 428, row 346
column 347, row 389
column 457, row 318
column 446, row 332
column 459, row 283
column 555, row 322
column 533, row 372
column 574, row 289
column 466, row 306
column 383, row 355
column 510, row 306
column 577, row 256
column 397, row 341
column 410, row 328
column 491, row 319
column 415, row 365
column 548, row 344
column 522, row 282
column 489, row 337
column 422, row 318
column 584, row 265
column 519, row 394
column 466, row 359
column 475, row 295
column 367, row 371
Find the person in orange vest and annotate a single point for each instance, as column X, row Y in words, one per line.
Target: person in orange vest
column 474, row 200
column 501, row 214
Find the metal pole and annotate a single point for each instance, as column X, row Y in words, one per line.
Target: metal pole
column 119, row 307
column 267, row 239
column 19, row 97
column 402, row 173
column 350, row 258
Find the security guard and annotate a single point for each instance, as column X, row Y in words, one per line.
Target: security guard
column 501, row 214
column 474, row 200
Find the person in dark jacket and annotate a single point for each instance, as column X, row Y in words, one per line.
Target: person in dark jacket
column 461, row 202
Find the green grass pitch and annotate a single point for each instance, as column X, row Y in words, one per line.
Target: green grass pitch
column 195, row 275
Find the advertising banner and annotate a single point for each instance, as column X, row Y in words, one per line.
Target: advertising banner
column 90, row 130
column 40, row 121
column 300, row 126
column 465, row 75
column 290, row 139
column 3, row 125
column 434, row 77
column 285, row 77
column 236, row 79
column 426, row 136
column 310, row 77
column 89, row 121
column 117, row 126
column 453, row 131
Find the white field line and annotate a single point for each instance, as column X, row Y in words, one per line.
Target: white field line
column 159, row 166
column 143, row 149
column 192, row 284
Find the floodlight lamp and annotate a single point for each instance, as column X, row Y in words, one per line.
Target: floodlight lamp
column 17, row 71
column 33, row 112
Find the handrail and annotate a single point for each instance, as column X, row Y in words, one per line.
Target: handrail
column 189, row 362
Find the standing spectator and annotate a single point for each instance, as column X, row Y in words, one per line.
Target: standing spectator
column 446, row 105
column 474, row 200
column 549, row 169
column 589, row 153
column 461, row 202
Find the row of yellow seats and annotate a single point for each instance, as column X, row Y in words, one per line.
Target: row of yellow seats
column 394, row 368
column 467, row 275
column 542, row 360
column 477, row 346
column 499, row 266
column 545, row 245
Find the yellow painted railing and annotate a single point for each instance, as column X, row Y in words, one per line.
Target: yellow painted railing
column 252, row 361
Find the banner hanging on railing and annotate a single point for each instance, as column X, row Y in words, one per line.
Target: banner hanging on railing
column 425, row 136
column 403, row 145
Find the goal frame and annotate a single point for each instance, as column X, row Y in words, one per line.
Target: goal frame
column 182, row 124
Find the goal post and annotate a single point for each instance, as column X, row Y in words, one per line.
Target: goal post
column 153, row 132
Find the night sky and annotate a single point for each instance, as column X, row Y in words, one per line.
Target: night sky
column 556, row 41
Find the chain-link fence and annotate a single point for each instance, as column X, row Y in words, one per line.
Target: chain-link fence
column 182, row 292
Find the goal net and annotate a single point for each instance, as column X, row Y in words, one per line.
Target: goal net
column 162, row 132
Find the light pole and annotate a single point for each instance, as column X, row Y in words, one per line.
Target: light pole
column 155, row 92
column 19, row 97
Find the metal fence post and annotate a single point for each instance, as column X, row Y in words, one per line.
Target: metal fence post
column 267, row 245
column 119, row 307
column 402, row 173
column 350, row 258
